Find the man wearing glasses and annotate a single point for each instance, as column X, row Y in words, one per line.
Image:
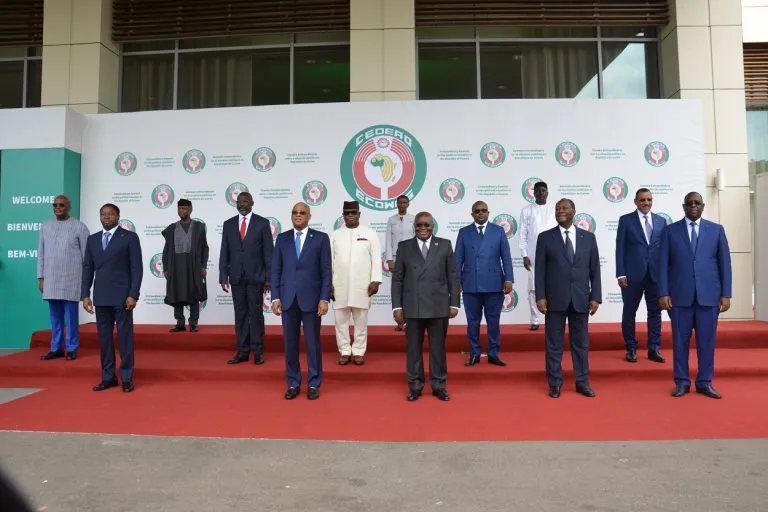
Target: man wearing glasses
column 59, row 273
column 356, row 258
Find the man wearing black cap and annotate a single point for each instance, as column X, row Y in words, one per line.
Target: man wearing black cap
column 185, row 266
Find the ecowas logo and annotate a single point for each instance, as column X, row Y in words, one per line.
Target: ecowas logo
column 314, row 193
column 492, row 154
column 201, row 304
column 510, row 302
column 339, row 222
column 263, row 159
column 266, row 302
column 127, row 225
column 567, row 154
column 508, row 223
column 381, row 163
column 274, row 227
column 156, row 265
column 162, row 196
column 615, row 189
column 656, row 153
column 452, row 190
column 527, row 188
column 193, row 161
column 201, row 221
column 585, row 221
column 666, row 217
column 384, row 266
column 125, row 164
column 234, row 190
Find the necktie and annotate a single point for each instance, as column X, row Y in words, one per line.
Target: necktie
column 648, row 229
column 298, row 244
column 568, row 248
column 105, row 240
column 481, row 230
column 694, row 237
column 242, row 229
column 424, row 250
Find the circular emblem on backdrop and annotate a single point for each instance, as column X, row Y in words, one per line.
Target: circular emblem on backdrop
column 508, row 222
column 234, row 190
column 193, row 161
column 666, row 217
column 274, row 226
column 452, row 191
column 266, row 302
column 381, row 163
column 202, row 305
column 615, row 189
column 656, row 153
column 263, row 159
column 162, row 196
column 492, row 154
column 201, row 221
column 527, row 188
column 127, row 225
column 434, row 226
column 384, row 267
column 510, row 302
column 125, row 164
column 339, row 222
column 585, row 221
column 567, row 154
column 156, row 265
column 314, row 193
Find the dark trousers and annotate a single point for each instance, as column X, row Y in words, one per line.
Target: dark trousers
column 247, row 300
column 64, row 313
column 474, row 305
column 293, row 318
column 436, row 329
column 554, row 335
column 684, row 320
column 106, row 318
column 632, row 295
column 194, row 313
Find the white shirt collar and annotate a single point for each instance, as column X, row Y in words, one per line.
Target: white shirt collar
column 481, row 225
column 111, row 231
column 303, row 231
column 571, row 230
column 247, row 216
column 642, row 215
column 422, row 242
column 688, row 222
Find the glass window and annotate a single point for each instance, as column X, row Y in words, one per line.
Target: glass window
column 147, row 83
column 34, row 82
column 12, row 84
column 538, row 70
column 234, row 79
column 233, row 41
column 757, row 139
column 630, row 71
column 628, row 32
column 150, row 46
column 535, row 32
column 447, row 71
column 321, row 74
column 445, row 33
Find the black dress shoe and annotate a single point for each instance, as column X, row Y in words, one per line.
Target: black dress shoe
column 709, row 391
column 71, row 356
column 128, row 387
column 258, row 359
column 631, row 355
column 655, row 356
column 291, row 393
column 239, row 358
column 681, row 390
column 105, row 384
column 441, row 394
column 495, row 360
column 584, row 389
column 473, row 360
column 313, row 394
column 554, row 391
column 413, row 395
column 534, row 327
column 193, row 328
column 177, row 328
column 51, row 355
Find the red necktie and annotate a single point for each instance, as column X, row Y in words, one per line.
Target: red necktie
column 242, row 230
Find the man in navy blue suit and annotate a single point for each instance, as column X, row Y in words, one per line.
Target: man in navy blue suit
column 484, row 264
column 568, row 287
column 301, row 290
column 244, row 262
column 637, row 252
column 113, row 259
column 694, row 287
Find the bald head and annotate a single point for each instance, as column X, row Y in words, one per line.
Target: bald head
column 300, row 215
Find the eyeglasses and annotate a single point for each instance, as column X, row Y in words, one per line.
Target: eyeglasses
column 59, row 205
column 350, row 212
column 296, row 212
column 423, row 225
column 480, row 210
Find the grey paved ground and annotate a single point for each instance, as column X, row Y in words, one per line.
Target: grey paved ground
column 10, row 394
column 82, row 473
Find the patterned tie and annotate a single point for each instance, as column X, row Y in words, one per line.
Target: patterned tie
column 105, row 240
column 298, row 244
column 242, row 229
column 424, row 250
column 568, row 248
column 481, row 230
column 694, row 237
column 648, row 229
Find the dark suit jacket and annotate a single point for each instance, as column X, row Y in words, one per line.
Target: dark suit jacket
column 306, row 279
column 425, row 289
column 562, row 283
column 118, row 269
column 245, row 261
column 634, row 255
column 483, row 263
column 706, row 274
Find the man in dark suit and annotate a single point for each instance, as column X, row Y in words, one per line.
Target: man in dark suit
column 484, row 264
column 244, row 263
column 694, row 287
column 567, row 287
column 637, row 252
column 301, row 290
column 425, row 294
column 113, row 259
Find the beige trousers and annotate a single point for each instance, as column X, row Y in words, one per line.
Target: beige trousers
column 359, row 318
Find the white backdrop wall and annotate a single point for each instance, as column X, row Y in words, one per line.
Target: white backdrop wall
column 443, row 154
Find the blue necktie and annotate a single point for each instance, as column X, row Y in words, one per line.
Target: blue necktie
column 694, row 237
column 298, row 244
column 105, row 240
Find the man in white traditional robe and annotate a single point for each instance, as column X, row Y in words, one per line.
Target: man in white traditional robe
column 356, row 259
column 535, row 218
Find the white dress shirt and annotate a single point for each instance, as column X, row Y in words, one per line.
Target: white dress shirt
column 302, row 239
column 478, row 226
column 571, row 235
column 247, row 221
column 642, row 223
column 690, row 228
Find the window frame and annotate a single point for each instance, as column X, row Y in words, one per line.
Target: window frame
column 25, row 59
